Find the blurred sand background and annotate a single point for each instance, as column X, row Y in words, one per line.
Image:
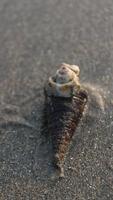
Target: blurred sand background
column 35, row 37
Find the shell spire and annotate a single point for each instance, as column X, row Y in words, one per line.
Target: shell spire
column 65, row 101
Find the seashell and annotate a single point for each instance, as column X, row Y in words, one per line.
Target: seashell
column 64, row 106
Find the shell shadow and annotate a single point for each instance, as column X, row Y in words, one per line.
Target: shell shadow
column 24, row 151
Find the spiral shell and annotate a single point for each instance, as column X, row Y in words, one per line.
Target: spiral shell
column 65, row 104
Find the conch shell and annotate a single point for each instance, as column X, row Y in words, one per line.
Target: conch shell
column 65, row 101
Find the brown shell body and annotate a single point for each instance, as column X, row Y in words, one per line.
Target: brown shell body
column 63, row 115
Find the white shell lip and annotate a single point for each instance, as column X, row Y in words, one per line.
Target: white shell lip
column 51, row 81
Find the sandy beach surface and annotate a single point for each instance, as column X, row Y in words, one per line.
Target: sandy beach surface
column 35, row 37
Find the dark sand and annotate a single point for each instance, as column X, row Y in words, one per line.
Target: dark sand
column 35, row 37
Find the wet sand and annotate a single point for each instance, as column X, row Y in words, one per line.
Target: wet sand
column 35, row 37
